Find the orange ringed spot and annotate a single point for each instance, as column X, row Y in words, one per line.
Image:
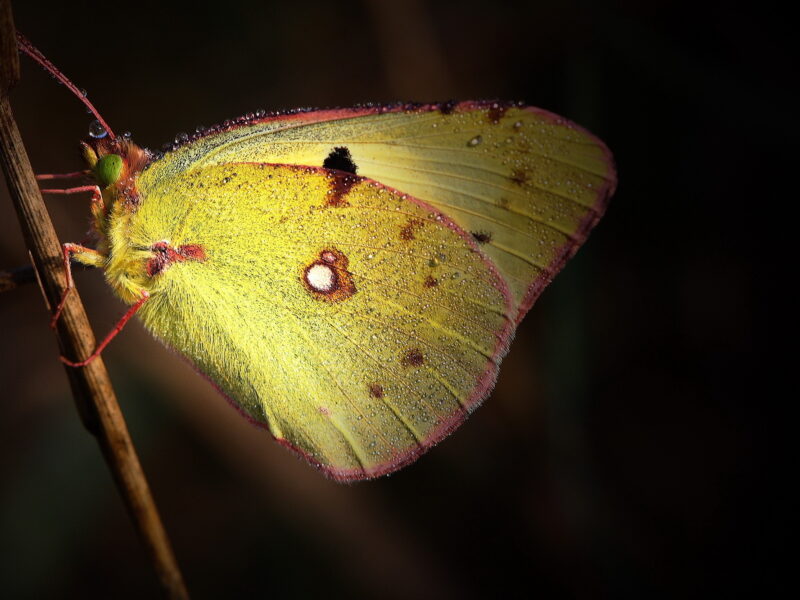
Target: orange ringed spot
column 327, row 278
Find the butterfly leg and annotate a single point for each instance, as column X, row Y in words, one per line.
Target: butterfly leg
column 98, row 208
column 83, row 255
column 111, row 335
column 75, row 190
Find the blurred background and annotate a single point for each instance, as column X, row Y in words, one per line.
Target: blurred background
column 624, row 452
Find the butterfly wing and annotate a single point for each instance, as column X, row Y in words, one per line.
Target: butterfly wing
column 526, row 184
column 359, row 324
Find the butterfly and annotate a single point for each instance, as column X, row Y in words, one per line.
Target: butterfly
column 349, row 279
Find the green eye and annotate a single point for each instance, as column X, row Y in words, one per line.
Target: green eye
column 108, row 169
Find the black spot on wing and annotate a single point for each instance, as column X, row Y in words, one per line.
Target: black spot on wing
column 341, row 160
column 447, row 108
column 482, row 237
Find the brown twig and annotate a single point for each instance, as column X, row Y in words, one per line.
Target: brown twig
column 91, row 387
column 13, row 278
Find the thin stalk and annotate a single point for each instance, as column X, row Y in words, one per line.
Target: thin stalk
column 91, row 386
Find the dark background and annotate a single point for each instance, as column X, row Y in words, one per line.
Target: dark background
column 624, row 452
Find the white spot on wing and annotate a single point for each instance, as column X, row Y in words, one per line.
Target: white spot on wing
column 321, row 277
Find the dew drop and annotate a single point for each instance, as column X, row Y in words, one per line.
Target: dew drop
column 127, row 135
column 475, row 141
column 84, row 93
column 181, row 138
column 96, row 130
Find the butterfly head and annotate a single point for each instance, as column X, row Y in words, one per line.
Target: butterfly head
column 115, row 163
column 108, row 169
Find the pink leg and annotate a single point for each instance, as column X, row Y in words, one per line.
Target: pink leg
column 111, row 335
column 76, row 190
column 73, row 175
column 68, row 251
column 98, row 206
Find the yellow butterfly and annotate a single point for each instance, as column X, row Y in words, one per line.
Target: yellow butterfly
column 349, row 279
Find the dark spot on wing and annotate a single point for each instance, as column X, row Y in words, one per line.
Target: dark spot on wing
column 165, row 255
column 482, row 237
column 496, row 112
column 412, row 358
column 375, row 390
column 448, row 107
column 519, row 176
column 409, row 229
column 413, row 106
column 430, row 282
column 192, row 252
column 341, row 183
column 341, row 160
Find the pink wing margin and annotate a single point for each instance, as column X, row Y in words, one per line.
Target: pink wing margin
column 586, row 225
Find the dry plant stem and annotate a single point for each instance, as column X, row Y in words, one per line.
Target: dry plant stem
column 91, row 387
column 18, row 276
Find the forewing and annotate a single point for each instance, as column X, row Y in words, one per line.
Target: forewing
column 526, row 184
column 360, row 325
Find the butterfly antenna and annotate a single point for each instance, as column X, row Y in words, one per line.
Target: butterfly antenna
column 40, row 58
